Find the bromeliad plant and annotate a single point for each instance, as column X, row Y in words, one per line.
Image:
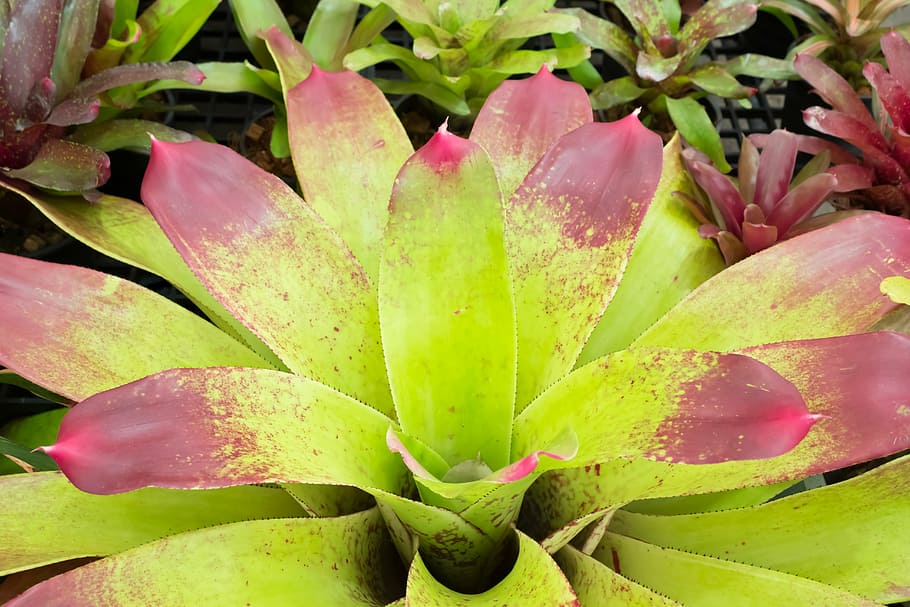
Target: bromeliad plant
column 843, row 33
column 762, row 206
column 64, row 64
column 661, row 51
column 435, row 356
column 883, row 162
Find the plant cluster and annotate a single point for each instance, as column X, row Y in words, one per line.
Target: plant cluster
column 79, row 63
column 877, row 157
column 419, row 386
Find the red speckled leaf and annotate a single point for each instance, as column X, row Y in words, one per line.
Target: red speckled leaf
column 64, row 166
column 347, row 145
column 445, row 305
column 856, row 384
column 346, row 560
column 272, row 263
column 77, row 332
column 522, row 119
column 569, row 229
column 671, row 405
column 792, row 290
column 221, row 427
column 28, row 53
column 892, row 95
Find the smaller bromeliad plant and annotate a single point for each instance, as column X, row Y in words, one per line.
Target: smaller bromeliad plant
column 412, row 393
column 845, row 34
column 878, row 161
column 661, row 50
column 761, row 206
column 70, row 69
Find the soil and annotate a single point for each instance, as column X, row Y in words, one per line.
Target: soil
column 254, row 145
column 23, row 229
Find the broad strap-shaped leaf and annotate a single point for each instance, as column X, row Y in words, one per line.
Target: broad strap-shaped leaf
column 833, row 88
column 599, row 586
column 522, row 119
column 699, row 581
column 670, row 405
column 654, row 282
column 30, row 37
column 445, row 304
column 860, row 399
column 77, row 332
column 788, row 291
column 348, row 561
column 271, row 262
column 569, row 229
column 691, row 119
column 45, row 519
column 533, row 581
column 775, row 169
column 852, row 535
column 125, row 230
column 220, row 427
column 65, row 166
column 129, row 134
column 254, row 17
column 334, row 119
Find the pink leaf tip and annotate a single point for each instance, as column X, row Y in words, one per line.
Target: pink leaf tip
column 444, row 149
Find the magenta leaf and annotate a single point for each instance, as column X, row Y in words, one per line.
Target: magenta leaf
column 833, row 88
column 897, row 53
column 28, row 53
column 719, row 189
column 66, row 166
column 801, row 201
column 758, row 236
column 891, row 94
column 775, row 168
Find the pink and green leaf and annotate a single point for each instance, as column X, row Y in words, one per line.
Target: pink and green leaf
column 313, row 305
column 445, row 303
column 653, row 283
column 45, row 519
column 671, row 573
column 65, row 166
column 569, row 230
column 833, row 88
column 775, row 169
column 222, row 427
column 801, row 280
column 354, row 205
column 127, row 232
column 860, row 401
column 349, row 561
column 77, row 332
column 522, row 119
column 773, row 535
column 669, row 405
column 534, row 577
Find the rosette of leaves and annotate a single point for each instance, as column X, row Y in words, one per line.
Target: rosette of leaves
column 435, row 378
column 61, row 68
column 879, row 156
column 660, row 49
column 762, row 206
column 842, row 33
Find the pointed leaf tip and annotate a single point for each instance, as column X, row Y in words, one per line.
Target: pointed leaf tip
column 444, row 149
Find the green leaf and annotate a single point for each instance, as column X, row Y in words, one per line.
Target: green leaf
column 74, row 42
column 20, row 436
column 329, row 28
column 850, row 535
column 606, row 36
column 294, row 62
column 445, row 306
column 801, row 280
column 134, row 135
column 77, row 332
column 312, row 305
column 599, row 586
column 220, row 427
column 357, row 211
column 653, row 281
column 897, row 288
column 693, row 123
column 45, row 519
column 223, row 77
column 718, row 81
column 348, row 561
column 438, row 94
column 254, row 16
column 11, row 379
column 760, row 66
column 569, row 229
column 64, row 167
column 16, row 458
column 534, row 580
column 127, row 232
column 618, row 91
column 167, row 25
column 699, row 581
